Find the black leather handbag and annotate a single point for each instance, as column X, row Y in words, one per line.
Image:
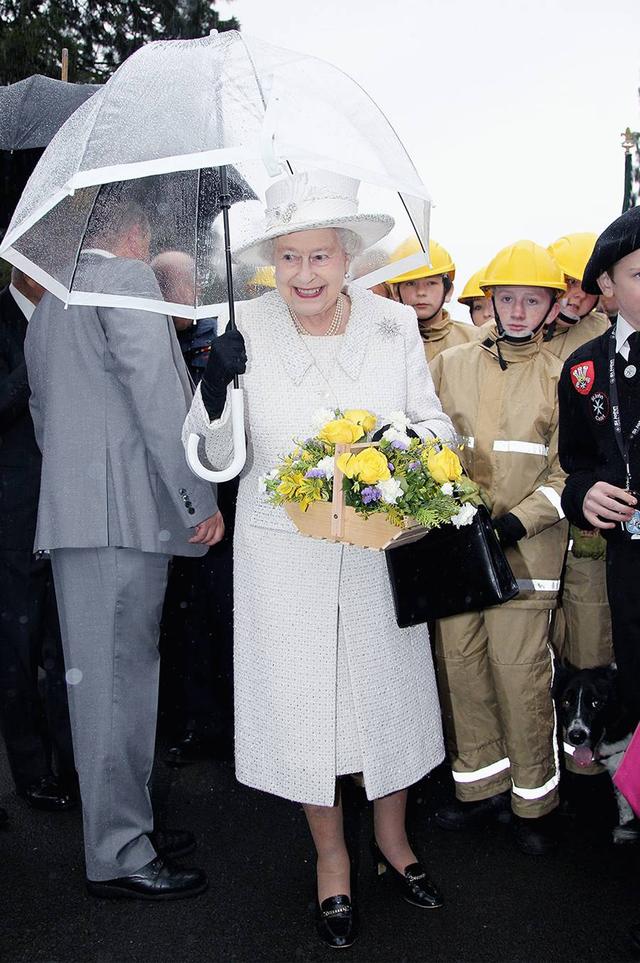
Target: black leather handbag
column 449, row 571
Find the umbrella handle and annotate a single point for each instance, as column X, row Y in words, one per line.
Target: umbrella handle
column 239, row 445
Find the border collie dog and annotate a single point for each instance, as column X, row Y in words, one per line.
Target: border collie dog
column 596, row 727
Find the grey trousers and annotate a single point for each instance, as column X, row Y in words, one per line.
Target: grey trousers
column 110, row 603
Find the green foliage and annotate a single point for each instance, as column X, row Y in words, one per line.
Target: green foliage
column 99, row 34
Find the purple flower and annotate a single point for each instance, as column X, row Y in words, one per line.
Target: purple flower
column 414, row 465
column 315, row 473
column 391, row 466
column 400, row 445
column 371, row 494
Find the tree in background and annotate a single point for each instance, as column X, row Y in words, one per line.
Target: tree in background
column 99, row 34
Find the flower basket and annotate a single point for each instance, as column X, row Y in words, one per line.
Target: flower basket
column 337, row 522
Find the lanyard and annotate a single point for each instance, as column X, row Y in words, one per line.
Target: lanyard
column 623, row 446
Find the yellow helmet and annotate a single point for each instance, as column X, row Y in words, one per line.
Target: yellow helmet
column 572, row 253
column 265, row 277
column 441, row 262
column 472, row 288
column 524, row 263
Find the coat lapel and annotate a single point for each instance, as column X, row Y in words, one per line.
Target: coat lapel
column 297, row 360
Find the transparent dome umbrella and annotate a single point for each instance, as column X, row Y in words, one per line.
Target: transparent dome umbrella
column 178, row 122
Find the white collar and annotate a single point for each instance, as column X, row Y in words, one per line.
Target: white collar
column 623, row 333
column 97, row 250
column 26, row 306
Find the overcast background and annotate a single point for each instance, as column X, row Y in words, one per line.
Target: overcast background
column 510, row 110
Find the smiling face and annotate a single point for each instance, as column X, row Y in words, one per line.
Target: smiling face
column 522, row 309
column 623, row 283
column 426, row 296
column 576, row 303
column 310, row 269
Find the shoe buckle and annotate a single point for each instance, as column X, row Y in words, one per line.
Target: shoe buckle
column 415, row 879
column 338, row 911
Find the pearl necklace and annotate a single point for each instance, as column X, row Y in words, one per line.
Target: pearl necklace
column 333, row 328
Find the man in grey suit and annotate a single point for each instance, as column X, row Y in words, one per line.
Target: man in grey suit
column 110, row 392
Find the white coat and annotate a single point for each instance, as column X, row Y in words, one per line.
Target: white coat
column 289, row 589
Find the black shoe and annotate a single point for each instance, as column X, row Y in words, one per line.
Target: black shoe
column 48, row 795
column 634, row 934
column 414, row 886
column 158, row 880
column 336, row 922
column 172, row 843
column 536, row 837
column 192, row 747
column 4, row 817
column 469, row 815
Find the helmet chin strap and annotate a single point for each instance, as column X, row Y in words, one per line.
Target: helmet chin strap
column 509, row 338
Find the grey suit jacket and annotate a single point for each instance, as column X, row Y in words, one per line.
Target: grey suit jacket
column 110, row 392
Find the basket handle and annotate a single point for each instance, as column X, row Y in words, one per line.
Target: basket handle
column 337, row 504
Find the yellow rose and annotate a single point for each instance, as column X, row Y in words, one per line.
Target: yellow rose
column 369, row 466
column 362, row 417
column 341, row 431
column 344, row 463
column 444, row 466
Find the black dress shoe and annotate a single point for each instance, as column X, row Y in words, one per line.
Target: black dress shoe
column 536, row 837
column 48, row 795
column 192, row 747
column 336, row 922
column 414, row 886
column 158, row 880
column 172, row 843
column 4, row 817
column 469, row 815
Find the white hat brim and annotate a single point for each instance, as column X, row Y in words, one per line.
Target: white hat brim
column 370, row 228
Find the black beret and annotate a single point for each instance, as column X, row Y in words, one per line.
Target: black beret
column 622, row 237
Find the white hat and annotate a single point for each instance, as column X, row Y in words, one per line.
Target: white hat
column 310, row 200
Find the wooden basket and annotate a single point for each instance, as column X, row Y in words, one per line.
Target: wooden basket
column 337, row 522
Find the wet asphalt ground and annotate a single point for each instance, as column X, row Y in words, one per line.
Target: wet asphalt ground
column 500, row 905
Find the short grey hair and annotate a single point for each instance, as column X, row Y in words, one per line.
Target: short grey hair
column 350, row 243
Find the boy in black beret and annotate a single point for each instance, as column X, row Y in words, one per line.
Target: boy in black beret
column 599, row 447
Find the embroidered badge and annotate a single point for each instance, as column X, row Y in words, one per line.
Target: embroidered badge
column 582, row 376
column 600, row 406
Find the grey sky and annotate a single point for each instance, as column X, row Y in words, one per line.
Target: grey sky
column 510, row 110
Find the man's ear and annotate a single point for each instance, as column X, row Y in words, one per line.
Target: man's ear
column 606, row 284
column 449, row 294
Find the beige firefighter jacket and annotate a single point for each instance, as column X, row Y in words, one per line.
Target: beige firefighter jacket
column 446, row 334
column 565, row 340
column 507, row 421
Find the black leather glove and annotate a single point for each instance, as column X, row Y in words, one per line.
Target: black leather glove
column 227, row 358
column 509, row 529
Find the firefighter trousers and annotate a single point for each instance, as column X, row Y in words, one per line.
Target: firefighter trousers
column 495, row 670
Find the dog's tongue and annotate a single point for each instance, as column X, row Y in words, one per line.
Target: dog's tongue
column 583, row 756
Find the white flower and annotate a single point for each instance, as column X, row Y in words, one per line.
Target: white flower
column 327, row 465
column 447, row 488
column 394, row 434
column 465, row 515
column 390, row 489
column 263, row 479
column 320, row 418
column 398, row 420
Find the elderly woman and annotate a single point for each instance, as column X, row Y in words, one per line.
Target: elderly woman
column 326, row 682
